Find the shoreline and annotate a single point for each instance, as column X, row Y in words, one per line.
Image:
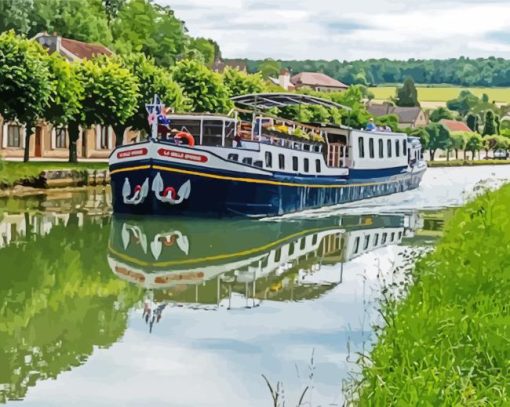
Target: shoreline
column 443, row 343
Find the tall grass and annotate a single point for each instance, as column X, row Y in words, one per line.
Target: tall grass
column 448, row 342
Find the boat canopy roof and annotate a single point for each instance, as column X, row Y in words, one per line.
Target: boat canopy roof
column 260, row 101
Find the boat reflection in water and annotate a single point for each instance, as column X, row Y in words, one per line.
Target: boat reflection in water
column 207, row 264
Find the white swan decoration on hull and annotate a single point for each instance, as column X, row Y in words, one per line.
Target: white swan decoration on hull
column 168, row 194
column 139, row 195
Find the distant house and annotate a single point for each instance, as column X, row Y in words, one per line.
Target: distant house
column 72, row 50
column 283, row 80
column 407, row 116
column 50, row 141
column 318, row 82
column 220, row 65
column 454, row 125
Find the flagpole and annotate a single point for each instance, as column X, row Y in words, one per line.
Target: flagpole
column 154, row 135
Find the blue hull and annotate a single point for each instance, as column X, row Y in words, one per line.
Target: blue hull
column 214, row 195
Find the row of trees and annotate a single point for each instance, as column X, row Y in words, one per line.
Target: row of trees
column 436, row 137
column 36, row 86
column 126, row 26
column 456, row 71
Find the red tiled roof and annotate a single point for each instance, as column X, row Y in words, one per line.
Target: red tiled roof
column 84, row 50
column 454, row 125
column 316, row 79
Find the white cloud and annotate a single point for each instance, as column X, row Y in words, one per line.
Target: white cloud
column 327, row 29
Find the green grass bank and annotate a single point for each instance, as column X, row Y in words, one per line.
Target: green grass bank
column 466, row 163
column 448, row 342
column 12, row 173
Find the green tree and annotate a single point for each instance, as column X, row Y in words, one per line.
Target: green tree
column 77, row 19
column 472, row 121
column 439, row 138
column 489, row 126
column 152, row 80
column 109, row 98
column 458, row 142
column 206, row 47
column 497, row 122
column 25, row 88
column 441, row 113
column 390, row 120
column 204, row 88
column 143, row 26
column 465, row 102
column 423, row 135
column 407, row 95
column 241, row 83
column 474, row 143
column 16, row 15
column 269, row 67
column 112, row 8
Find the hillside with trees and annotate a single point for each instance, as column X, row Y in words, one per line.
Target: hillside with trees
column 455, row 71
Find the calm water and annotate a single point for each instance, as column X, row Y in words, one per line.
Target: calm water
column 101, row 310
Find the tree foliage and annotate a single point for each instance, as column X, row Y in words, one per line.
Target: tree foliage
column 241, row 83
column 440, row 113
column 474, row 143
column 439, row 138
column 25, row 88
column 464, row 103
column 489, row 126
column 204, row 88
column 407, row 95
column 472, row 121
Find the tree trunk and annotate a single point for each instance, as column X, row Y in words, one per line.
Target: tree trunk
column 447, row 155
column 119, row 134
column 28, row 130
column 456, row 154
column 74, row 134
column 432, row 153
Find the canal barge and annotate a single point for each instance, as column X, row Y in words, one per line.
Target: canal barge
column 222, row 165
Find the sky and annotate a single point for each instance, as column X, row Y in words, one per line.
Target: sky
column 350, row 29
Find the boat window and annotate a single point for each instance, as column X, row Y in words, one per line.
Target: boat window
column 281, row 161
column 291, row 249
column 278, row 255
column 399, row 235
column 212, row 134
column 381, row 148
column 392, row 236
column 384, row 236
column 306, row 163
column 404, row 147
column 302, row 245
column 356, row 245
column 189, row 126
column 258, row 163
column 376, row 239
column 361, row 147
column 314, row 239
column 295, row 164
column 371, row 147
column 269, row 159
column 367, row 242
column 233, row 157
column 397, row 148
column 388, row 147
column 318, row 166
column 247, row 160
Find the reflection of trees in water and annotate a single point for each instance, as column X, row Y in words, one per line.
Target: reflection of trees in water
column 58, row 300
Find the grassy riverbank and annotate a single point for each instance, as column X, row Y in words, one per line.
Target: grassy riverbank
column 466, row 163
column 14, row 172
column 448, row 341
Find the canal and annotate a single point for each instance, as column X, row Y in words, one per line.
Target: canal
column 102, row 310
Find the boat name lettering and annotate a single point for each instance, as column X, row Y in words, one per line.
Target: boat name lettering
column 132, row 153
column 182, row 156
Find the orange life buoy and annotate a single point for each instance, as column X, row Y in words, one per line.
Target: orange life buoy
column 186, row 136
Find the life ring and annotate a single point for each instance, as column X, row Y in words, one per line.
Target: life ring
column 186, row 136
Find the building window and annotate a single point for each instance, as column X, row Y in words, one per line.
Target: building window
column 318, row 166
column 404, row 147
column 295, row 164
column 14, row 134
column 381, row 148
column 388, row 147
column 397, row 148
column 361, row 147
column 269, row 159
column 281, row 161
column 103, row 138
column 371, row 147
column 60, row 137
column 306, row 163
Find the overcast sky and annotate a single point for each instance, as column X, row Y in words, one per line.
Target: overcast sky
column 350, row 29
